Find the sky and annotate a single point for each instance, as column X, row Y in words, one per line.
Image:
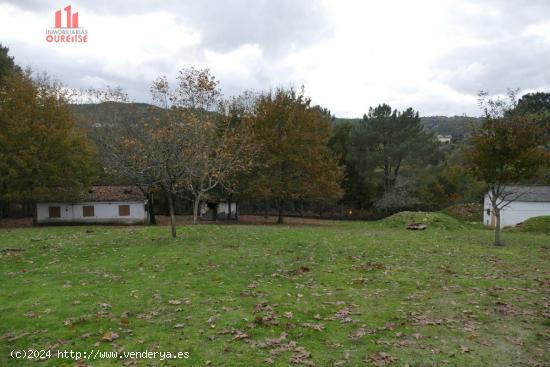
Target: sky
column 432, row 55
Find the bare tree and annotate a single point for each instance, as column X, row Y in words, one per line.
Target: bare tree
column 186, row 145
column 113, row 125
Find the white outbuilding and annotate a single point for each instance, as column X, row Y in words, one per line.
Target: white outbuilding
column 532, row 201
column 98, row 204
column 221, row 209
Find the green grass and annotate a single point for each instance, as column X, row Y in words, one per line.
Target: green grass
column 536, row 225
column 439, row 297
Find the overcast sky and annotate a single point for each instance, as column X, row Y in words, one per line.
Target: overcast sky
column 433, row 55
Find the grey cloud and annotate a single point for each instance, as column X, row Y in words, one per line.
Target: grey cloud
column 224, row 25
column 274, row 25
column 76, row 74
column 499, row 18
column 512, row 63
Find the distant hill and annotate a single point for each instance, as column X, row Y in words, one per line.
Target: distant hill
column 457, row 126
column 89, row 114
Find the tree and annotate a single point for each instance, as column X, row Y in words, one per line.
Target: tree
column 218, row 147
column 293, row 159
column 110, row 119
column 236, row 116
column 400, row 197
column 113, row 124
column 186, row 145
column 536, row 106
column 40, row 148
column 385, row 140
column 507, row 149
column 7, row 65
column 358, row 191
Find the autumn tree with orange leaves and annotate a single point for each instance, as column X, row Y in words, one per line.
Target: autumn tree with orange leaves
column 293, row 161
column 40, row 147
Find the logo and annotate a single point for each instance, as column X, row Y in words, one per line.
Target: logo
column 70, row 32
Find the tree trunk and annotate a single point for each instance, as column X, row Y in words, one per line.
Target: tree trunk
column 280, row 209
column 170, row 197
column 498, row 242
column 266, row 210
column 151, row 208
column 196, row 203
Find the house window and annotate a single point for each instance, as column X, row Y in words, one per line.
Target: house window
column 124, row 210
column 88, row 211
column 54, row 212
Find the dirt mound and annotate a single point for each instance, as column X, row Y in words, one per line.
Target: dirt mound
column 536, row 224
column 472, row 212
column 430, row 219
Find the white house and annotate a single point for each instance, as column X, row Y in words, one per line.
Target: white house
column 212, row 210
column 444, row 139
column 99, row 204
column 532, row 201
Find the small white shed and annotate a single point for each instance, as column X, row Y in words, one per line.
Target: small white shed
column 532, row 201
column 223, row 209
column 99, row 204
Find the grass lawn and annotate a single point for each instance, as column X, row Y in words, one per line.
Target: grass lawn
column 341, row 293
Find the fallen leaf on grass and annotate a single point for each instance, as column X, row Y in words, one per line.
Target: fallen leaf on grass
column 174, row 302
column 343, row 315
column 425, row 320
column 373, row 266
column 379, row 359
column 10, row 337
column 361, row 332
column 109, row 336
column 346, row 356
column 212, row 319
column 506, row 308
column 310, row 325
column 239, row 335
column 300, row 356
